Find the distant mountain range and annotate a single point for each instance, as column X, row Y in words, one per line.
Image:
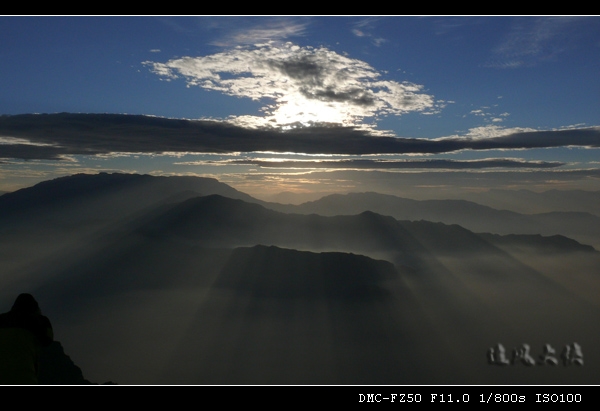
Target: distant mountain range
column 183, row 280
column 530, row 202
column 110, row 197
column 582, row 226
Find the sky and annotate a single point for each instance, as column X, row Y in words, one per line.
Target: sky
column 416, row 106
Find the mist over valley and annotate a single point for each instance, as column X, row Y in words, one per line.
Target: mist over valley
column 185, row 280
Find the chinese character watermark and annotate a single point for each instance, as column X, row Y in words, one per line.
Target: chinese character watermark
column 571, row 355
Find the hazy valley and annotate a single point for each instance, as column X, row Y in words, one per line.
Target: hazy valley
column 182, row 280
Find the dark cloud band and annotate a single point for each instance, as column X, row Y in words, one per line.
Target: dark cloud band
column 404, row 164
column 90, row 134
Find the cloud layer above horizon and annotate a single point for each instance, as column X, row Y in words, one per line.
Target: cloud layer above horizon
column 51, row 136
column 298, row 100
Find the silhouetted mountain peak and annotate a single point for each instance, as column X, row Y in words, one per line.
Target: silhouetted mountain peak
column 106, row 197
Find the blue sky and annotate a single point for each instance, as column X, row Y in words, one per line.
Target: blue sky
column 439, row 78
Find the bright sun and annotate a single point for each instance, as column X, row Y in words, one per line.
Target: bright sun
column 307, row 112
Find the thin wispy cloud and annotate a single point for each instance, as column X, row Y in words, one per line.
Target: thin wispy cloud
column 453, row 25
column 531, row 41
column 364, row 27
column 272, row 31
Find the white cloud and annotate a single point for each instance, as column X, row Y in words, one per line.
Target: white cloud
column 490, row 131
column 299, row 84
column 5, row 140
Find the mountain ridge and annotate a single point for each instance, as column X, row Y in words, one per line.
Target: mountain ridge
column 583, row 226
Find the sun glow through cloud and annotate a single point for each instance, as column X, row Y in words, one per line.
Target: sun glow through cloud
column 299, row 85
